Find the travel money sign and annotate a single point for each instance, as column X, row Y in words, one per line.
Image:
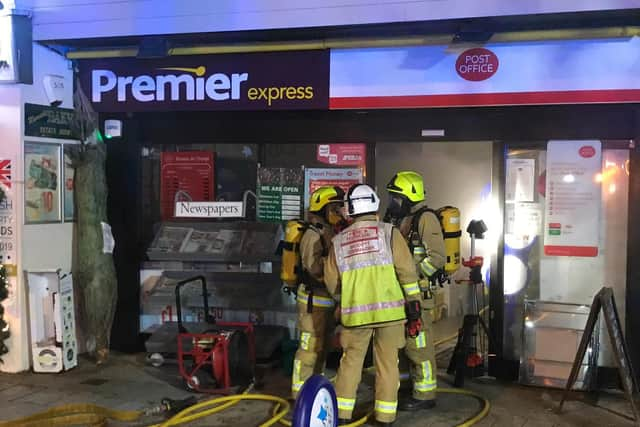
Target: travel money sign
column 255, row 81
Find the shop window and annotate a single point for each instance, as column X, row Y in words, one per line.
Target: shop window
column 234, row 173
column 566, row 205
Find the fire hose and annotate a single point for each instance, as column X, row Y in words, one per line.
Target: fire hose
column 98, row 416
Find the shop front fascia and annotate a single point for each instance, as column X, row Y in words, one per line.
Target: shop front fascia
column 534, row 91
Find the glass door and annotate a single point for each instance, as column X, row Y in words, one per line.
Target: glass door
column 565, row 237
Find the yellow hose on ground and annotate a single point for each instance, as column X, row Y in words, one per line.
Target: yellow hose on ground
column 84, row 414
column 219, row 408
column 97, row 416
column 187, row 415
column 356, row 423
column 486, row 407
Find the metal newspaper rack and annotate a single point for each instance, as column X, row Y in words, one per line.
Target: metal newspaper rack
column 238, row 260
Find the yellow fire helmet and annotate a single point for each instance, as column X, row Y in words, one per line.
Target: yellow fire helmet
column 408, row 184
column 323, row 196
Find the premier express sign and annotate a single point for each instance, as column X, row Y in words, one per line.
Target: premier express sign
column 257, row 81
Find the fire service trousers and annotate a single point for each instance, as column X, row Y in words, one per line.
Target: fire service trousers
column 316, row 331
column 387, row 341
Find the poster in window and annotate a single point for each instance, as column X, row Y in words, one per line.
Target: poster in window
column 69, row 175
column 342, row 154
column 279, row 194
column 315, row 178
column 520, row 180
column 572, row 217
column 185, row 176
column 8, row 241
column 42, row 183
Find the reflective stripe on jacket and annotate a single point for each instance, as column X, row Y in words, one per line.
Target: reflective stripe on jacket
column 371, row 292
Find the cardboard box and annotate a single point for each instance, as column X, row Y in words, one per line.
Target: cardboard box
column 52, row 320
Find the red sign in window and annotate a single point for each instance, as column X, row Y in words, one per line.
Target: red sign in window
column 342, row 154
column 186, row 175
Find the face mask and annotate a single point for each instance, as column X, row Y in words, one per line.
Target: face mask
column 397, row 208
column 335, row 216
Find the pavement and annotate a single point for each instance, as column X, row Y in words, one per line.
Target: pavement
column 126, row 382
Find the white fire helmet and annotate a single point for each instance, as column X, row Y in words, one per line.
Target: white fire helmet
column 362, row 199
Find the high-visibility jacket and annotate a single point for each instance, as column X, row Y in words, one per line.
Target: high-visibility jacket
column 370, row 291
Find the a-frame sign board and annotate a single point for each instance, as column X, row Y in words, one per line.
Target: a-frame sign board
column 604, row 301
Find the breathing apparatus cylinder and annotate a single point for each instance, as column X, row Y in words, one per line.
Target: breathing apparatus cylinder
column 290, row 246
column 450, row 221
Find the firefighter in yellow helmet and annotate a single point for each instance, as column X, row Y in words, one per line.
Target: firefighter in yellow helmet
column 421, row 228
column 315, row 307
column 370, row 272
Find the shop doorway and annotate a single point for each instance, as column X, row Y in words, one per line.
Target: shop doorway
column 566, row 228
column 457, row 174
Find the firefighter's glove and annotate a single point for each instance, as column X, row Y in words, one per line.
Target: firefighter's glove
column 475, row 275
column 414, row 324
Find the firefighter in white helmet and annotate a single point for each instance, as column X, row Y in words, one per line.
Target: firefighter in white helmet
column 370, row 273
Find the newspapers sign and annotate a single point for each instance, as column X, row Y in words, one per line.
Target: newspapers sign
column 209, row 210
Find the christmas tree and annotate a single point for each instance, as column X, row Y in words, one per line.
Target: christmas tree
column 4, row 326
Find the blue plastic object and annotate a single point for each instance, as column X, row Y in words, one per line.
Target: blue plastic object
column 316, row 405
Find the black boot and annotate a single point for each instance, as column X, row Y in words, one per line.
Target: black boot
column 413, row 404
column 343, row 422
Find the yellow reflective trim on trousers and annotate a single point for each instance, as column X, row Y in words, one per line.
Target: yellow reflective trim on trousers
column 346, row 404
column 427, row 268
column 411, row 288
column 318, row 301
column 429, row 382
column 296, row 384
column 425, row 388
column 304, row 340
column 421, row 340
column 386, row 407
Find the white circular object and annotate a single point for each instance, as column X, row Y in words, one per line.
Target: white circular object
column 193, row 383
column 156, row 359
column 515, row 275
column 322, row 414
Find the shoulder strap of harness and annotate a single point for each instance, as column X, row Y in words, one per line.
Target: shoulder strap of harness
column 415, row 238
column 309, row 281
